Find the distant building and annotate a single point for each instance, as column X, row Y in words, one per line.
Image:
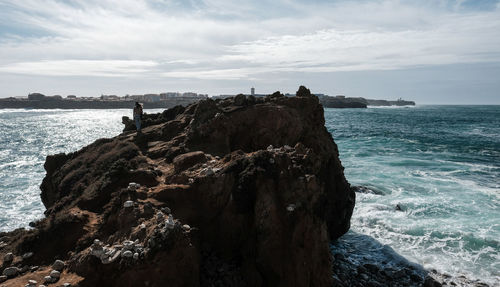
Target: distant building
column 137, row 97
column 169, row 95
column 151, row 98
column 110, row 97
column 71, row 97
column 190, row 95
column 340, row 96
column 36, row 97
column 252, row 91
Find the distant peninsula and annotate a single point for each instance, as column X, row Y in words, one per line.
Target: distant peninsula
column 345, row 102
column 166, row 100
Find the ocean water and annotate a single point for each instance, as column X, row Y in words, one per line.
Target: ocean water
column 27, row 137
column 439, row 164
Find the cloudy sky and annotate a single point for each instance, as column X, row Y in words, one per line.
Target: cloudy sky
column 430, row 51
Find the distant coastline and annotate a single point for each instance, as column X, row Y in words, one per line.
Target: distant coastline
column 149, row 101
column 166, row 100
column 346, row 102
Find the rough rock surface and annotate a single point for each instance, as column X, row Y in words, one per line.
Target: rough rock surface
column 234, row 192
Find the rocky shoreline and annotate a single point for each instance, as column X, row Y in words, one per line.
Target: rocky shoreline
column 241, row 191
column 361, row 269
column 361, row 260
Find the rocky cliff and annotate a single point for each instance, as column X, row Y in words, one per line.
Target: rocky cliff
column 234, row 192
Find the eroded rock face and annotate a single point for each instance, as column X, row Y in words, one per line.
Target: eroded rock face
column 250, row 186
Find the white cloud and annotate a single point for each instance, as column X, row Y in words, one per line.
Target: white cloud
column 222, row 39
column 101, row 68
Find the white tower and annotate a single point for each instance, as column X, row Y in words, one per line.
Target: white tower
column 252, row 91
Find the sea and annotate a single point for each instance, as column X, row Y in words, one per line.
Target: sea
column 434, row 173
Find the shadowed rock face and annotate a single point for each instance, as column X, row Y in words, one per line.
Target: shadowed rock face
column 258, row 181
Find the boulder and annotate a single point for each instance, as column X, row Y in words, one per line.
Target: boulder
column 8, row 257
column 11, row 271
column 55, row 274
column 184, row 161
column 58, row 265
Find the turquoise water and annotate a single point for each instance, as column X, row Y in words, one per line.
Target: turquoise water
column 441, row 165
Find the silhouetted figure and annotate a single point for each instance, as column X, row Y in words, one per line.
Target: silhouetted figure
column 138, row 116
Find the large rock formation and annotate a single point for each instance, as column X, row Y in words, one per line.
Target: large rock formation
column 237, row 192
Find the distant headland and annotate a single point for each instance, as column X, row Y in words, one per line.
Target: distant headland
column 167, row 100
column 345, row 102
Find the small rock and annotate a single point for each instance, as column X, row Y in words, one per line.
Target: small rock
column 136, row 256
column 48, row 279
column 8, row 257
column 166, row 210
column 133, row 186
column 207, row 171
column 32, row 282
column 58, row 265
column 170, row 222
column 25, row 269
column 11, row 271
column 32, row 224
column 3, row 278
column 186, row 227
column 41, row 286
column 55, row 274
column 34, row 268
column 127, row 254
column 290, row 207
column 97, row 249
column 67, row 284
column 27, row 255
column 128, row 245
column 112, row 258
column 160, row 216
column 270, row 147
column 128, row 203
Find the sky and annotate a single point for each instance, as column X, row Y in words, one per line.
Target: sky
column 429, row 51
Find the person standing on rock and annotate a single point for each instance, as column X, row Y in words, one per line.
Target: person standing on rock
column 138, row 116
